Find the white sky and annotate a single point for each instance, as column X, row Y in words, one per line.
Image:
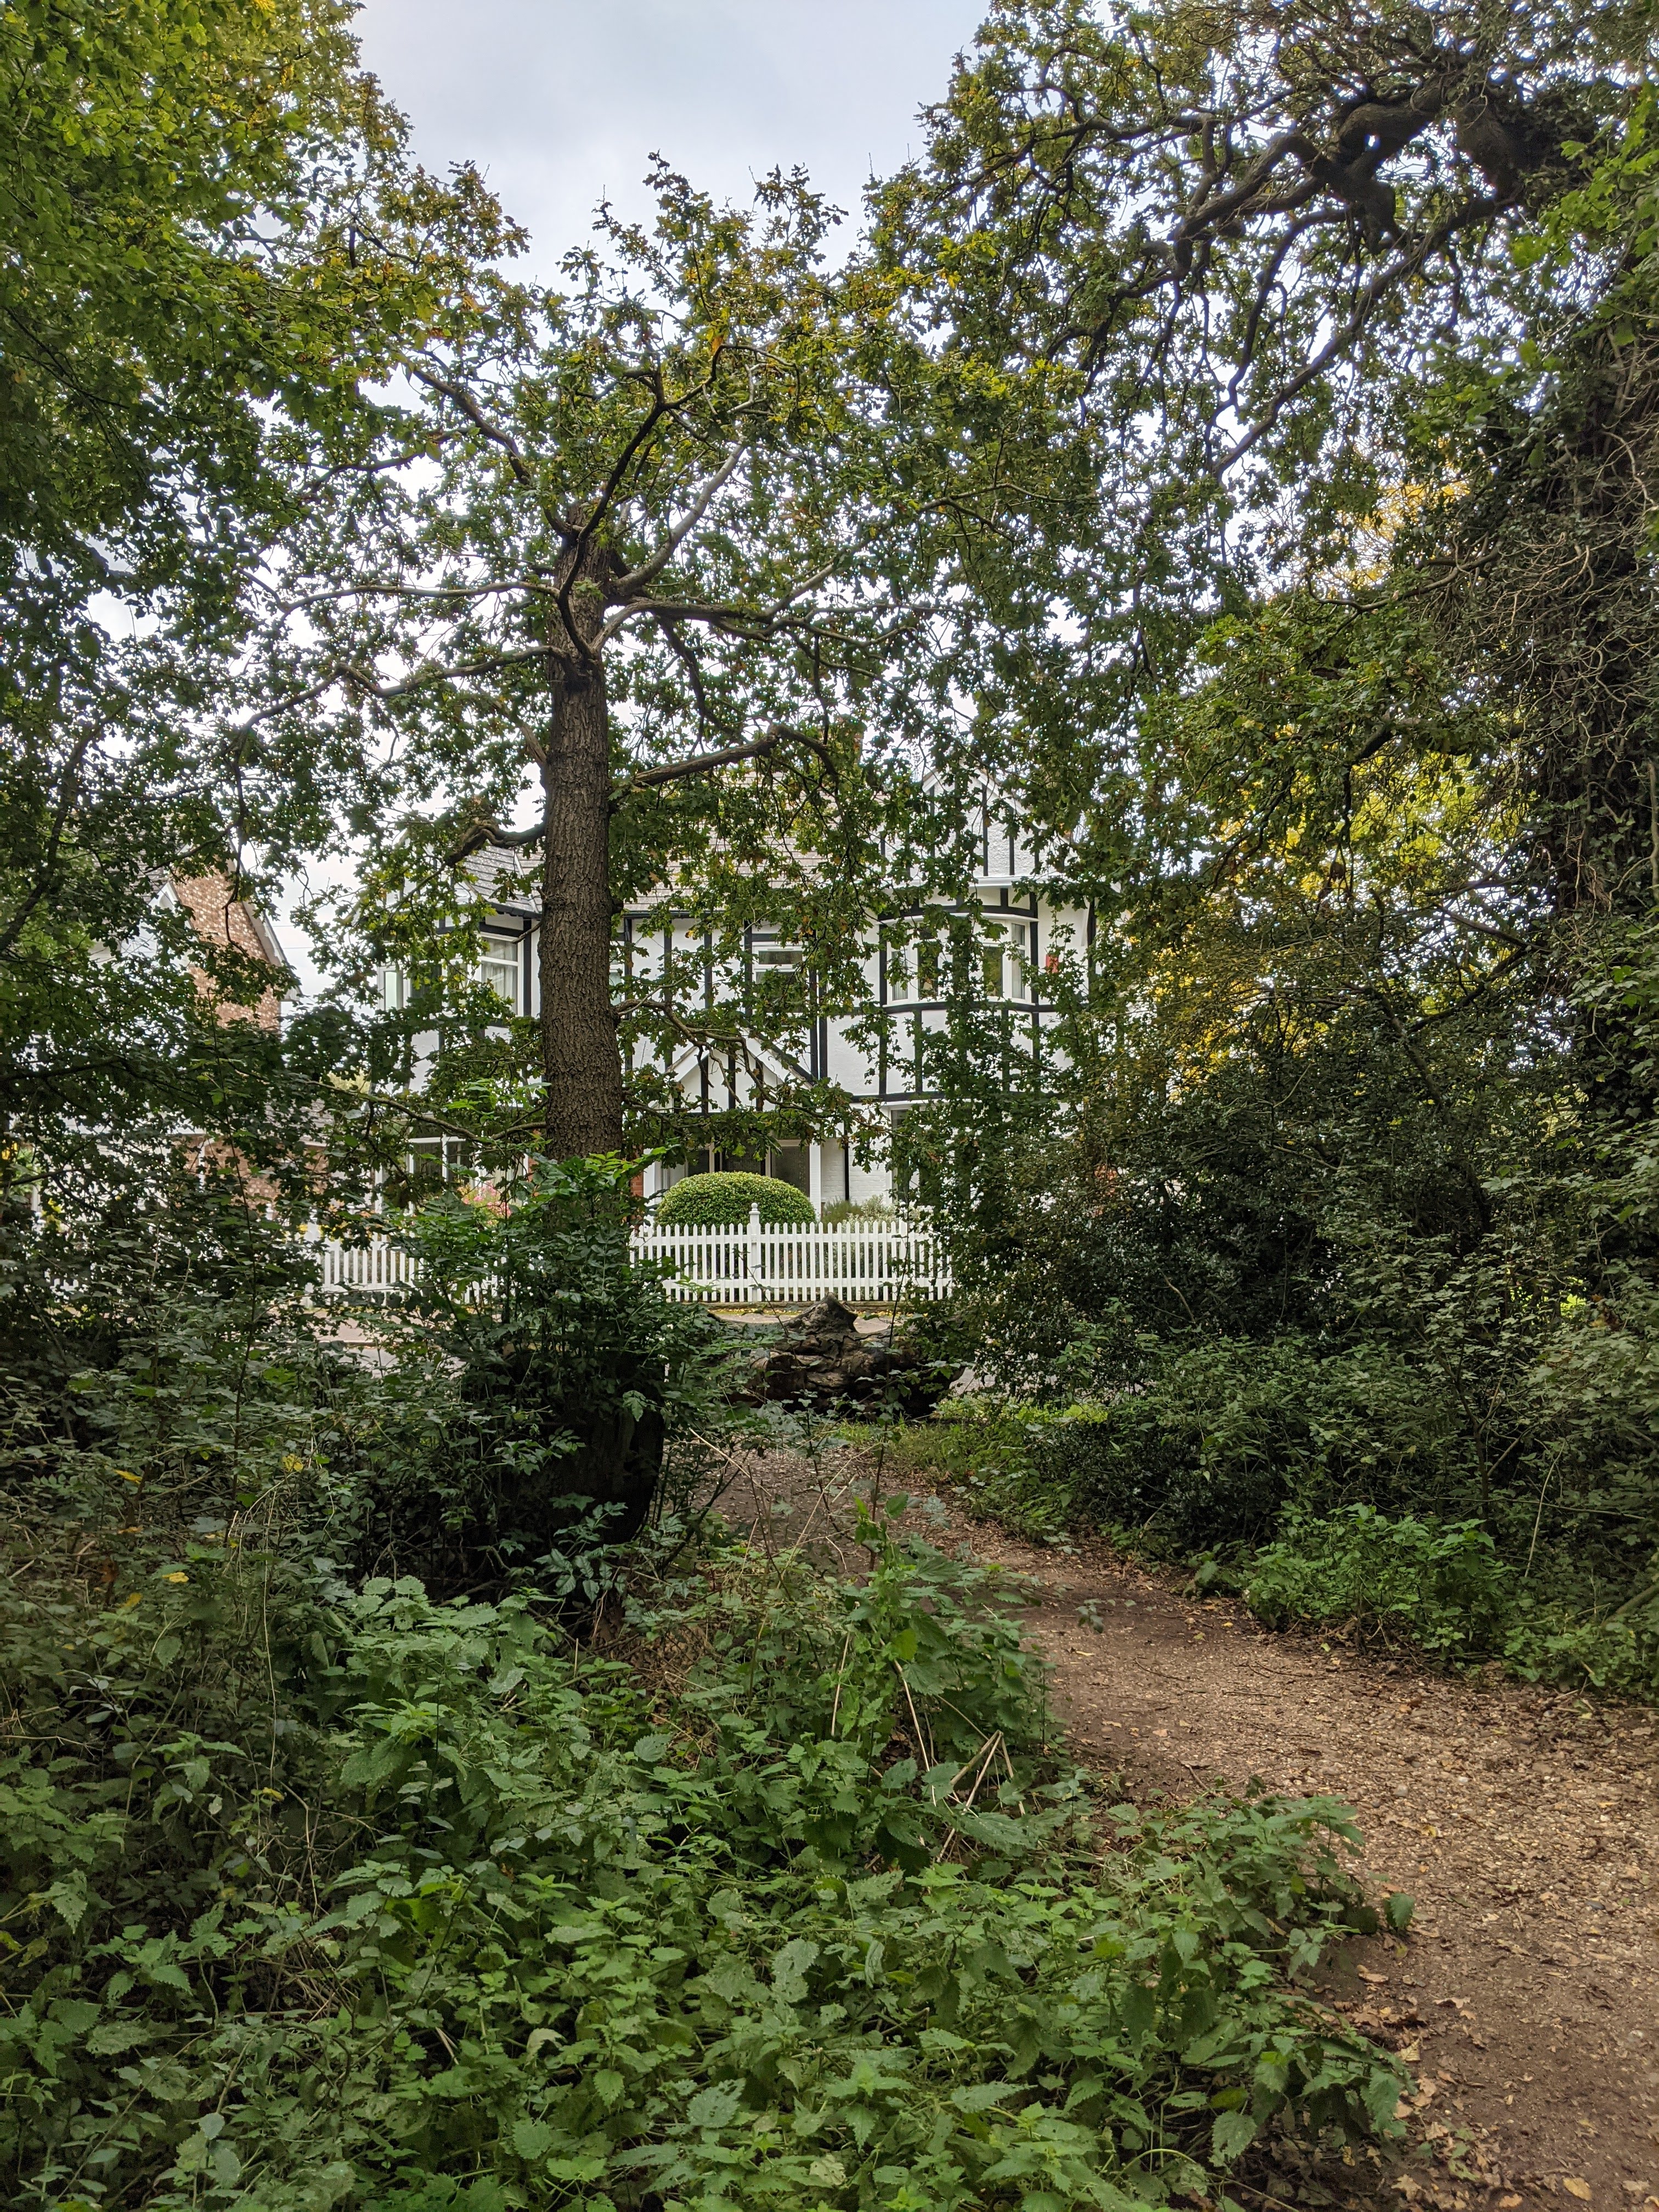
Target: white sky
column 562, row 105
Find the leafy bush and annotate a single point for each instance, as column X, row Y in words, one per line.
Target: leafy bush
column 1205, row 1450
column 716, row 1201
column 1443, row 1587
column 1216, row 1439
column 572, row 1370
column 320, row 1896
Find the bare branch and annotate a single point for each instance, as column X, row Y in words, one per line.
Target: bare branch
column 649, row 569
column 365, row 680
column 439, row 592
column 650, row 776
column 469, row 406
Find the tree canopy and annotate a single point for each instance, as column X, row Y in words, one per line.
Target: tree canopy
column 639, row 529
column 209, row 232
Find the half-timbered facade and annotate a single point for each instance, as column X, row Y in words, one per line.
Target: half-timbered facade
column 996, row 952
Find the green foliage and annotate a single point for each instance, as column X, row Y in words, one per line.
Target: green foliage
column 702, row 462
column 184, row 185
column 1207, row 1442
column 175, row 172
column 564, row 1374
column 840, row 1212
column 314, row 1896
column 1443, row 1587
column 1327, row 1474
column 985, row 1449
column 715, row 1202
column 1337, row 709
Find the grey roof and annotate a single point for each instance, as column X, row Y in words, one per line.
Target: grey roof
column 506, row 875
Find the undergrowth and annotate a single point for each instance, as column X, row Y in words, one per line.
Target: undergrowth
column 1440, row 1583
column 1443, row 1587
column 319, row 1895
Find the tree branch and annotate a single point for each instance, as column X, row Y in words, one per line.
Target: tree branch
column 626, row 587
column 346, row 671
column 649, row 777
column 43, row 881
column 481, row 422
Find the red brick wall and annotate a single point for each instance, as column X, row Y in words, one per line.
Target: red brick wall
column 221, row 920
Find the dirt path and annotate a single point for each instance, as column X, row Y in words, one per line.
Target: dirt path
column 1525, row 1824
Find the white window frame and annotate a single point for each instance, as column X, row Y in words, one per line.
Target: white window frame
column 499, row 958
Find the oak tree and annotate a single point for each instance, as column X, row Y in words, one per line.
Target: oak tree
column 640, row 529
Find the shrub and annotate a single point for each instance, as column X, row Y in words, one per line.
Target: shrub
column 1443, row 1587
column 1207, row 1445
column 327, row 1896
column 718, row 1201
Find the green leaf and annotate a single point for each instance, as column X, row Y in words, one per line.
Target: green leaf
column 1233, row 2132
column 713, row 2107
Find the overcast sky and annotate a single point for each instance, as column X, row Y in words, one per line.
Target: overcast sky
column 562, row 104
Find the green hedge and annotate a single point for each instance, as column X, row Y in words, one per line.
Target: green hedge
column 716, row 1201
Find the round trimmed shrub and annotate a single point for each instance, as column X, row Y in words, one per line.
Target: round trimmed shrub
column 722, row 1202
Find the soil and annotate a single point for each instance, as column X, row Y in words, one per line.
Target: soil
column 1524, row 1999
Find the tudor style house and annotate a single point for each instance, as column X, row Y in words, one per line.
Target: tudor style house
column 880, row 1059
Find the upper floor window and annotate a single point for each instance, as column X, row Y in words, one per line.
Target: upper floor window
column 772, row 956
column 1003, row 958
column 498, row 967
column 917, row 972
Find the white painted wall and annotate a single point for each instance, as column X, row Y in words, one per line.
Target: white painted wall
column 903, row 988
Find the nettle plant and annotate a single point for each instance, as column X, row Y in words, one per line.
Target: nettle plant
column 319, row 1896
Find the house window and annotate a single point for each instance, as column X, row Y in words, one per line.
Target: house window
column 792, row 1164
column 772, row 956
column 498, row 967
column 433, row 1162
column 930, row 968
column 1002, row 960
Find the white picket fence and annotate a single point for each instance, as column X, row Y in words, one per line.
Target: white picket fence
column 863, row 1263
column 373, row 1270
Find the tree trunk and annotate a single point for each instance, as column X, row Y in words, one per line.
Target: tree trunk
column 581, row 1066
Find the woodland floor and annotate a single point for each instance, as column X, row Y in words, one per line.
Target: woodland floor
column 1525, row 1824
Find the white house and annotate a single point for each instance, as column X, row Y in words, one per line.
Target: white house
column 914, row 977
